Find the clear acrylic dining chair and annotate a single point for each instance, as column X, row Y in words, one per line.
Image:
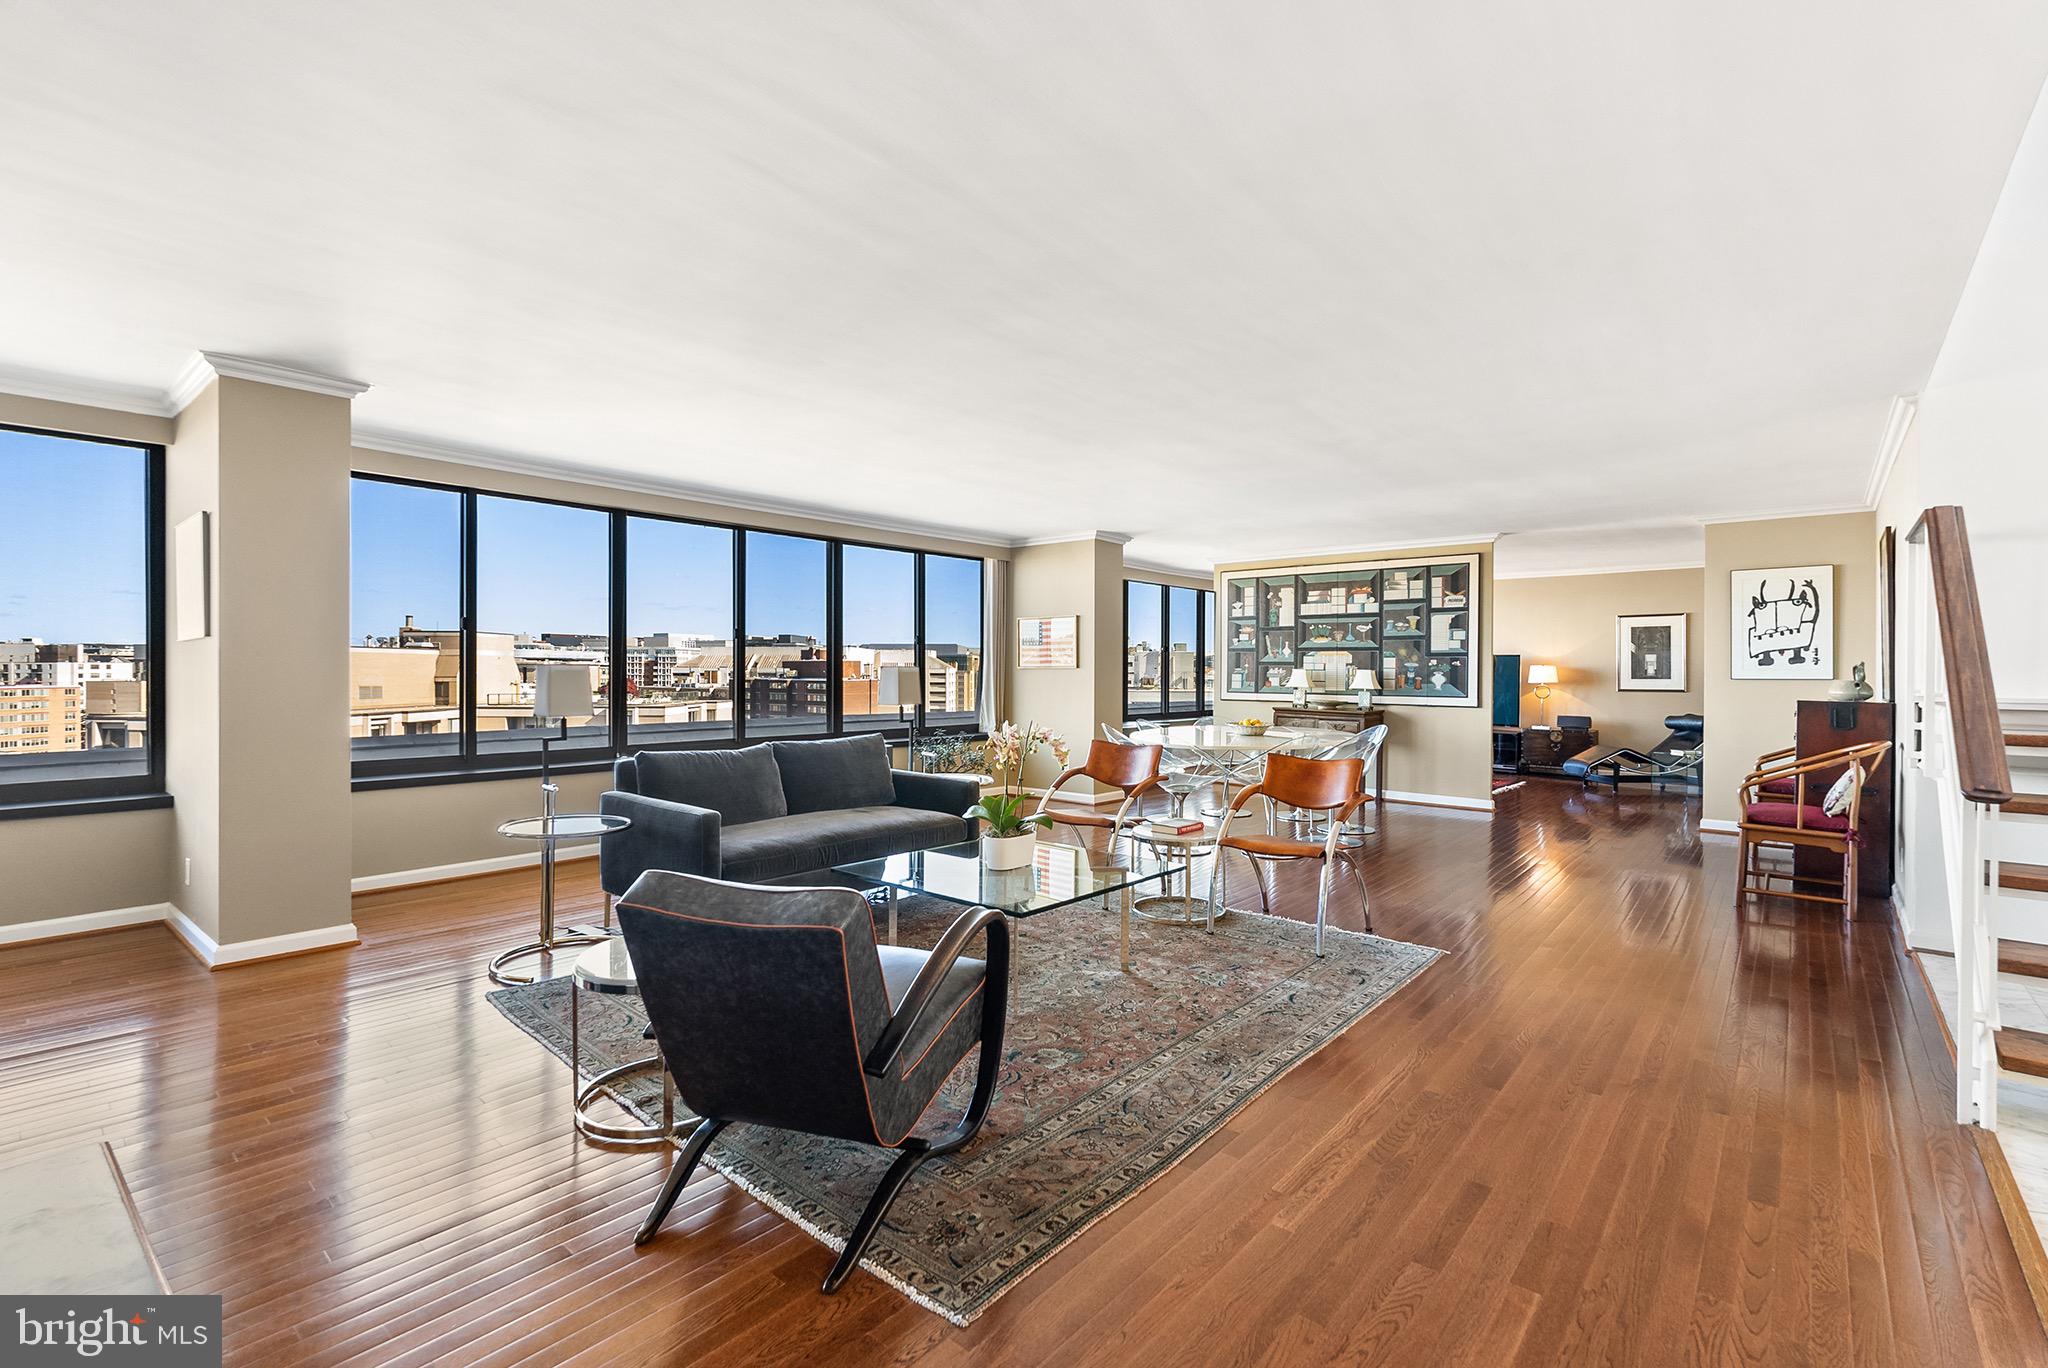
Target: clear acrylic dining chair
column 1180, row 773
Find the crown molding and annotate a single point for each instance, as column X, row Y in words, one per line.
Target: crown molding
column 1364, row 549
column 1116, row 538
column 1599, row 570
column 1155, row 568
column 64, row 389
column 1897, row 423
column 1824, row 511
column 486, row 458
column 204, row 366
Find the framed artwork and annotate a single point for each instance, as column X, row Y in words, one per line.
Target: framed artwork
column 1407, row 629
column 192, row 545
column 1649, row 652
column 1049, row 643
column 1781, row 623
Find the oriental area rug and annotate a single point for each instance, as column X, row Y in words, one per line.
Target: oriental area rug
column 1108, row 1080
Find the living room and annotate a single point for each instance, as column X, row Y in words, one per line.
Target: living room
column 1393, row 670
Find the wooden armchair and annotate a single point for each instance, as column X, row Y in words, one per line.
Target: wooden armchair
column 1130, row 768
column 1782, row 806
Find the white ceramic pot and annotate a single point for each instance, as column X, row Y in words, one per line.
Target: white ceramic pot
column 1008, row 852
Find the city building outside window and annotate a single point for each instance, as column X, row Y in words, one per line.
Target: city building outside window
column 81, row 621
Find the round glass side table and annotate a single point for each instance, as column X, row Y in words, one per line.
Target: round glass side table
column 608, row 968
column 551, row 831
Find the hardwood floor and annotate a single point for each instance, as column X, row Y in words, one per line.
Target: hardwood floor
column 1619, row 1123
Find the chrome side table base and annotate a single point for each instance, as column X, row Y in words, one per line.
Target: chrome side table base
column 609, row 971
column 1170, row 908
column 575, row 938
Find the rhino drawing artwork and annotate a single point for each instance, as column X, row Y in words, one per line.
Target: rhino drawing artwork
column 1783, row 614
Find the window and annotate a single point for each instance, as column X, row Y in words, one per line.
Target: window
column 543, row 598
column 679, row 639
column 1169, row 666
column 705, row 634
column 878, row 674
column 1207, row 629
column 81, row 618
column 787, row 688
column 404, row 620
column 952, row 641
column 1142, row 635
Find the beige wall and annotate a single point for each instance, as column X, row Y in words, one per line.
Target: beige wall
column 1568, row 621
column 1084, row 579
column 1430, row 752
column 1747, row 717
column 70, row 866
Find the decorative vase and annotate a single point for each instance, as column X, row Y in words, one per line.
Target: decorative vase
column 1008, row 852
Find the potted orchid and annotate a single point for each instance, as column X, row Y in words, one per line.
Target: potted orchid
column 1010, row 831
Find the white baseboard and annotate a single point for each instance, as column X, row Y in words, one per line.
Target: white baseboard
column 57, row 928
column 1717, row 826
column 214, row 955
column 401, row 878
column 1442, row 800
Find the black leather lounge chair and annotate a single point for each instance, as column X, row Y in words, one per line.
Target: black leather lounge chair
column 776, row 1007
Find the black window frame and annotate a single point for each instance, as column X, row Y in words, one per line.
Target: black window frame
column 500, row 763
column 1204, row 610
column 110, row 792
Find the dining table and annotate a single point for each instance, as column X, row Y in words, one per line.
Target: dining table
column 1235, row 754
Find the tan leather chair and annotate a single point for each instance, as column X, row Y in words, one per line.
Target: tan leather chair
column 1313, row 786
column 1131, row 769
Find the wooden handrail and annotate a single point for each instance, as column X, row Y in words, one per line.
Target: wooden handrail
column 1981, row 770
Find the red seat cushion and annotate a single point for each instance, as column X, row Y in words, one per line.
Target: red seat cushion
column 1789, row 786
column 1786, row 815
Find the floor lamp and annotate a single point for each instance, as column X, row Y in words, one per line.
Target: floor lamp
column 899, row 684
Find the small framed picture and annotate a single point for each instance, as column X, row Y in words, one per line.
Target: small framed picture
column 1049, row 643
column 1649, row 652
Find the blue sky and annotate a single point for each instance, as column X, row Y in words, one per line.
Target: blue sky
column 542, row 568
column 73, row 538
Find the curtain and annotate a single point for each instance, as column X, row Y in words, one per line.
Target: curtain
column 997, row 637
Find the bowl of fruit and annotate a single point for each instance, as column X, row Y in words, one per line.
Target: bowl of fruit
column 1250, row 726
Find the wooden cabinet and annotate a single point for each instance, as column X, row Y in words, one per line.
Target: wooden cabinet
column 1352, row 720
column 1544, row 750
column 1824, row 726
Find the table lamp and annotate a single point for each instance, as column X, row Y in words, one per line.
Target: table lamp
column 1298, row 681
column 1543, row 676
column 1367, row 683
column 560, row 692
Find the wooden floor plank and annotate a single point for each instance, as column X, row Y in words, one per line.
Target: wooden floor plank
column 1621, row 1121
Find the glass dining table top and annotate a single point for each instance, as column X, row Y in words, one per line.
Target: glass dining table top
column 563, row 826
column 1212, row 737
column 1058, row 876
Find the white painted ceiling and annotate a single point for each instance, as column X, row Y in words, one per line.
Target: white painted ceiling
column 1234, row 279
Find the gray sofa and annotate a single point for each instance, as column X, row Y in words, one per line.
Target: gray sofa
column 765, row 813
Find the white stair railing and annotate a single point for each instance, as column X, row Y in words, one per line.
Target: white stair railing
column 1937, row 724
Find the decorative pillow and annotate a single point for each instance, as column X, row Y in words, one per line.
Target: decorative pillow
column 1836, row 804
column 821, row 776
column 740, row 785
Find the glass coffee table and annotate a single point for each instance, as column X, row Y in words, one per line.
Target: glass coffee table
column 1058, row 876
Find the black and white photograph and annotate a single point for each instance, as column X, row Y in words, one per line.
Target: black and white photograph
column 1782, row 623
column 1649, row 652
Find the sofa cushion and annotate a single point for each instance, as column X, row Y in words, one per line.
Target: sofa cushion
column 846, row 772
column 740, row 785
column 804, row 842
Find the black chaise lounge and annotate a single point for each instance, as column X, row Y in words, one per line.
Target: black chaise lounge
column 775, row 1007
column 1677, row 756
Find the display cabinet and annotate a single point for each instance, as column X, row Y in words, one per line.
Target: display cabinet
column 1412, row 623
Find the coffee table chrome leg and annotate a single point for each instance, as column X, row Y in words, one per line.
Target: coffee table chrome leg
column 892, row 915
column 1123, row 899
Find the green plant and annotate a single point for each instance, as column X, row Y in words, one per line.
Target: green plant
column 1005, row 815
column 951, row 755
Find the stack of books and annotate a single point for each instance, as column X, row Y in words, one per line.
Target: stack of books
column 1173, row 826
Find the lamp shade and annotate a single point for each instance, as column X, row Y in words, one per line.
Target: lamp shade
column 1543, row 674
column 1298, row 680
column 1366, row 680
column 899, row 686
column 562, row 691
